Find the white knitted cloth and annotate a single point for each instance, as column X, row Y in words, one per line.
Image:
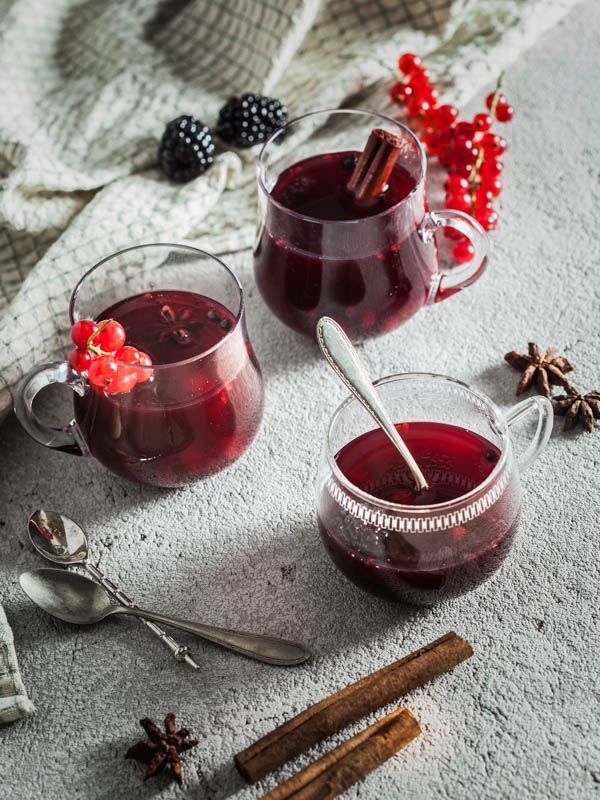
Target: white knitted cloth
column 87, row 89
column 14, row 702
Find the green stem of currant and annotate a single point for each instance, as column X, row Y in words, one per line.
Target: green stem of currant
column 474, row 181
column 93, row 347
column 496, row 96
column 98, row 351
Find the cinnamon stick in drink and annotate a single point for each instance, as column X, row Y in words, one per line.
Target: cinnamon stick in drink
column 351, row 761
column 349, row 704
column 374, row 165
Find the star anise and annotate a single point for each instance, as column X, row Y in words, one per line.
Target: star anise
column 577, row 407
column 163, row 748
column 175, row 324
column 543, row 366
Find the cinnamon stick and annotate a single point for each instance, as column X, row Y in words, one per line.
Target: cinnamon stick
column 349, row 704
column 374, row 165
column 351, row 761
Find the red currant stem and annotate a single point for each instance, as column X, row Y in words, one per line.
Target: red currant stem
column 496, row 96
column 88, row 344
column 98, row 351
column 480, row 154
column 474, row 181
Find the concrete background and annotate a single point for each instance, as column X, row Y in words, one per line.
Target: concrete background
column 520, row 719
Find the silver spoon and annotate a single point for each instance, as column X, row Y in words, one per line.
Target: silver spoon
column 61, row 540
column 74, row 598
column 344, row 360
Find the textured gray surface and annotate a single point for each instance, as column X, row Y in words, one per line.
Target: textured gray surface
column 517, row 720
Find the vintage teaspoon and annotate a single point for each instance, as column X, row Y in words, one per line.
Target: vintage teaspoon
column 344, row 360
column 63, row 541
column 74, row 598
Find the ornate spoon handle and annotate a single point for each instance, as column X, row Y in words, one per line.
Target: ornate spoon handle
column 344, row 360
column 263, row 648
column 180, row 652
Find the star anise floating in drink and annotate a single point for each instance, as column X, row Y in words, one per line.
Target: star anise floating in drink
column 545, row 367
column 163, row 748
column 577, row 407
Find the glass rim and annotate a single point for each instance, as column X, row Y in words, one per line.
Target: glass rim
column 194, row 250
column 436, row 508
column 260, row 161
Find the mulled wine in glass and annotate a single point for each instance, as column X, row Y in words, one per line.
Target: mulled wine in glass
column 199, row 405
column 414, row 546
column 320, row 251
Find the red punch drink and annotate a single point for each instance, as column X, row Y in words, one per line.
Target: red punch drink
column 367, row 273
column 411, row 566
column 188, row 421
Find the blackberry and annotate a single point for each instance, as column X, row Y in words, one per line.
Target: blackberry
column 250, row 119
column 185, row 149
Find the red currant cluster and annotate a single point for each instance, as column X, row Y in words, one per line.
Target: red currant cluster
column 469, row 151
column 101, row 350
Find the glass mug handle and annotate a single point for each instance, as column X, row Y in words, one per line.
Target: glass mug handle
column 543, row 406
column 66, row 439
column 453, row 280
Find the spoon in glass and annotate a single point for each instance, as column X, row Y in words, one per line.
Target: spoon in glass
column 61, row 540
column 74, row 598
column 343, row 359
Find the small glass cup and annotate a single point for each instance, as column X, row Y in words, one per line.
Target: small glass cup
column 195, row 415
column 371, row 273
column 424, row 554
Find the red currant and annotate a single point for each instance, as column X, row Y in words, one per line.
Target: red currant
column 80, row 359
column 461, row 201
column 124, row 380
column 504, row 112
column 482, row 122
column 397, row 91
column 490, row 168
column 432, row 143
column 456, row 183
column 463, row 168
column 419, row 76
column 102, row 371
column 444, row 156
column 407, row 92
column 464, row 150
column 81, row 332
column 493, row 145
column 490, row 99
column 452, row 233
column 130, row 355
column 144, row 374
column 464, row 129
column 110, row 337
column 408, row 61
column 445, row 116
column 493, row 185
column 483, row 197
column 444, row 135
column 486, row 217
column 427, row 93
column 463, row 251
column 418, row 109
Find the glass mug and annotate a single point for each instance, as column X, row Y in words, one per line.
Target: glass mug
column 370, row 273
column 194, row 416
column 421, row 554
